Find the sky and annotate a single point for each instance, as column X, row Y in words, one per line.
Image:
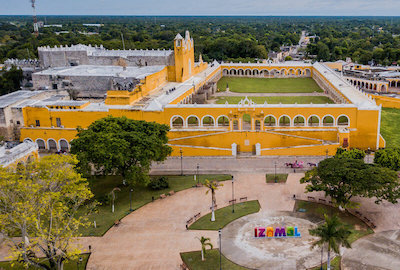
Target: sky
column 205, row 7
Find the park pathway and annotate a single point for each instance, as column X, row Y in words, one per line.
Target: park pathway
column 153, row 236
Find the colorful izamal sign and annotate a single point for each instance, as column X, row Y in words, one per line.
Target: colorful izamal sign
column 278, row 232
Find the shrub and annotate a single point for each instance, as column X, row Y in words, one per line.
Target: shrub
column 159, row 183
column 351, row 154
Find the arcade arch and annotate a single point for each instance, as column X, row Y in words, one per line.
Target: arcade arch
column 177, row 121
column 193, row 121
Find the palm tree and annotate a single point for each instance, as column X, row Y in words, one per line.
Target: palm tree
column 212, row 186
column 204, row 243
column 113, row 197
column 334, row 233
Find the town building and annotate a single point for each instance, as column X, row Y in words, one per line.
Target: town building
column 168, row 97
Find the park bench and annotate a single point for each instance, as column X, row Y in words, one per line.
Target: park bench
column 199, row 185
column 232, row 201
column 189, row 221
column 162, row 196
column 243, row 199
column 310, row 198
column 171, row 193
column 197, row 216
column 117, row 222
column 322, row 200
column 184, row 267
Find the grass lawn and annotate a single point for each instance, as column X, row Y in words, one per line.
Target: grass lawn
column 211, row 262
column 335, row 263
column 281, row 178
column 71, row 265
column 279, row 99
column 224, row 216
column 390, row 126
column 102, row 186
column 316, row 210
column 269, row 85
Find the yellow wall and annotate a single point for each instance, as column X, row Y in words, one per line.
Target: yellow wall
column 151, row 82
column 387, row 102
column 362, row 129
column 184, row 56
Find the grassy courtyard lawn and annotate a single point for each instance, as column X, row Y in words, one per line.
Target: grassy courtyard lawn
column 224, row 216
column 268, row 85
column 279, row 99
column 281, row 178
column 71, row 265
column 102, row 186
column 211, row 262
column 390, row 129
column 317, row 211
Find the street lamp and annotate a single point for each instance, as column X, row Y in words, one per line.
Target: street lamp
column 322, row 251
column 130, row 200
column 220, row 246
column 233, row 196
column 275, row 172
column 197, row 173
column 181, row 161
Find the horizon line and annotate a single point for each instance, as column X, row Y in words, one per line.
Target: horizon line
column 218, row 15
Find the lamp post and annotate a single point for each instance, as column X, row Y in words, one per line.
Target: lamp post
column 275, row 172
column 130, row 200
column 322, row 251
column 181, row 161
column 233, row 196
column 197, row 173
column 220, row 246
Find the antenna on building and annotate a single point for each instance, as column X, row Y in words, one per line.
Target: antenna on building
column 123, row 42
column 35, row 24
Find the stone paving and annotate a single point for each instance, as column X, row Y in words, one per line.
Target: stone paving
column 153, row 236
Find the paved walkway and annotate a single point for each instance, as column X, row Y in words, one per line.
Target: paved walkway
column 153, row 236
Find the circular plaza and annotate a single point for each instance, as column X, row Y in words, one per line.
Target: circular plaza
column 240, row 245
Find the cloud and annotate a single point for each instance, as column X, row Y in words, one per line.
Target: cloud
column 205, row 7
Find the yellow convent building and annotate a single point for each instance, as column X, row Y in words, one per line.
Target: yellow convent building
column 167, row 96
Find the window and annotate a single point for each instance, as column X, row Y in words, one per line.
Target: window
column 55, row 86
column 37, row 123
column 11, row 121
column 58, row 122
column 18, row 123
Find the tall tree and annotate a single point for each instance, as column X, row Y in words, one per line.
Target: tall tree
column 122, row 146
column 342, row 178
column 39, row 201
column 332, row 233
column 212, row 186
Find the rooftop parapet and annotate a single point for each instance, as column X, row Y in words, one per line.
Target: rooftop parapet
column 11, row 155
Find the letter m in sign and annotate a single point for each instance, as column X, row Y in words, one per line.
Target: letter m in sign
column 280, row 232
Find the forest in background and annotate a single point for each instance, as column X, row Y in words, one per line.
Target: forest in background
column 364, row 39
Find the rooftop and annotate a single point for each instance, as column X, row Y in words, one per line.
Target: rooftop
column 9, row 156
column 103, row 71
column 101, row 51
column 15, row 97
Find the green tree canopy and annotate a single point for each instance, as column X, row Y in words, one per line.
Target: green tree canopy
column 342, row 178
column 388, row 157
column 352, row 154
column 39, row 202
column 118, row 145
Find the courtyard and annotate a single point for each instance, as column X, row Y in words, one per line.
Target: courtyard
column 268, row 85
